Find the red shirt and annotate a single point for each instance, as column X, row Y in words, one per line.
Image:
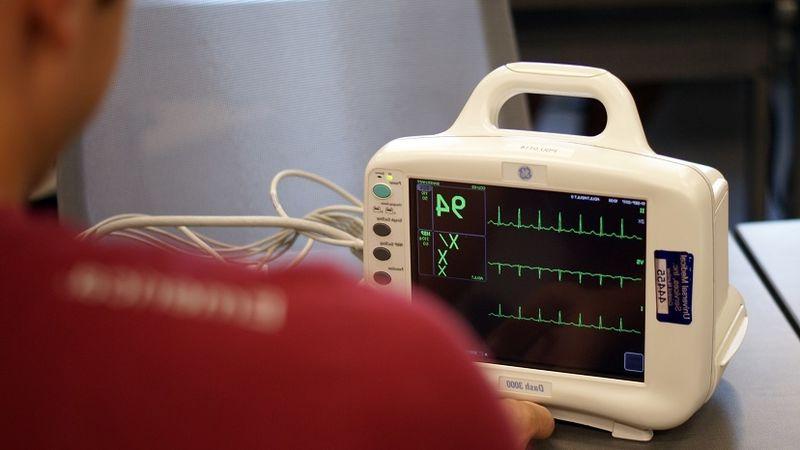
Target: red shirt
column 105, row 347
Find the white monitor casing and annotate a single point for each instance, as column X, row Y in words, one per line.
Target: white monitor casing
column 687, row 211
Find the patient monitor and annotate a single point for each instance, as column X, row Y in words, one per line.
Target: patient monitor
column 594, row 270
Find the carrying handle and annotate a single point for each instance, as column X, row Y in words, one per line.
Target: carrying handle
column 623, row 129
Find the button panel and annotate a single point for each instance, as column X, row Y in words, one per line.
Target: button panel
column 386, row 230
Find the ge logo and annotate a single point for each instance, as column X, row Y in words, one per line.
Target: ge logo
column 525, row 173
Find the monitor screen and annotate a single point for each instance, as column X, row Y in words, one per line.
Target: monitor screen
column 549, row 280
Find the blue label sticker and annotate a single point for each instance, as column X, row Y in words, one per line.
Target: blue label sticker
column 674, row 276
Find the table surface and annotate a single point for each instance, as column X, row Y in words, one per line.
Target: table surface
column 775, row 248
column 756, row 402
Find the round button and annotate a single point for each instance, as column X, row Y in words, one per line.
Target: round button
column 381, row 190
column 382, row 278
column 382, row 253
column 382, row 229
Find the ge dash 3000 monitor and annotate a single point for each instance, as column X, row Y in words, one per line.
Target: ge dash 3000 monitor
column 594, row 270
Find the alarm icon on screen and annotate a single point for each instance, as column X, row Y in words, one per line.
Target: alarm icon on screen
column 525, row 173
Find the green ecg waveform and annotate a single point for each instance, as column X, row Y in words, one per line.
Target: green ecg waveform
column 560, row 228
column 539, row 319
column 560, row 272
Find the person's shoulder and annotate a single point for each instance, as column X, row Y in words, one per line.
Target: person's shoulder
column 383, row 359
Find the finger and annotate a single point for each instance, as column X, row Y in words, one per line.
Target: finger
column 543, row 419
column 531, row 421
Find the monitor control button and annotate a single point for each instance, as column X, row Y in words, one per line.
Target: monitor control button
column 382, row 278
column 381, row 190
column 634, row 362
column 382, row 229
column 382, row 253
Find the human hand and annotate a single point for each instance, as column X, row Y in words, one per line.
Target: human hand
column 530, row 421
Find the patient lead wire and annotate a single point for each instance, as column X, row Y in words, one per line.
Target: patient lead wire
column 337, row 225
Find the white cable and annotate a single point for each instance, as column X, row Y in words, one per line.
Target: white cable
column 273, row 187
column 144, row 221
column 338, row 225
column 273, row 192
column 193, row 237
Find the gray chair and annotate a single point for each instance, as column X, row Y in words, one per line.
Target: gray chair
column 211, row 99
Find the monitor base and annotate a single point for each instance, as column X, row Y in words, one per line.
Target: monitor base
column 618, row 430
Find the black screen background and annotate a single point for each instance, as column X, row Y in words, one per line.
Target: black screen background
column 474, row 288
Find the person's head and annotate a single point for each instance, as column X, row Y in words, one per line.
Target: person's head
column 56, row 57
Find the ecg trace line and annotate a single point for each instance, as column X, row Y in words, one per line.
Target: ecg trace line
column 560, row 272
column 538, row 319
column 560, row 228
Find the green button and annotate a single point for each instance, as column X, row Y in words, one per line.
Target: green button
column 381, row 190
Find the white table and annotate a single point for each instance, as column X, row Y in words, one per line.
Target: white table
column 774, row 248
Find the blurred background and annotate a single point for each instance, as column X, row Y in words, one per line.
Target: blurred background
column 715, row 82
column 212, row 98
